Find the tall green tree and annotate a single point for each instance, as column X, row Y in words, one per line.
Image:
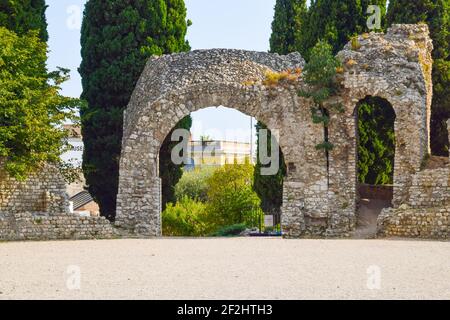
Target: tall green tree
column 32, row 109
column 23, row 16
column 336, row 21
column 376, row 147
column 287, row 26
column 117, row 38
column 436, row 13
column 269, row 188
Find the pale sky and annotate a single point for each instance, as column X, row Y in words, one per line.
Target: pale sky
column 237, row 24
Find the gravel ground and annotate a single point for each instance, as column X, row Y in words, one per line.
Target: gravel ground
column 237, row 268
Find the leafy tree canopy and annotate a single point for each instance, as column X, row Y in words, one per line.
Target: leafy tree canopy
column 22, row 16
column 32, row 109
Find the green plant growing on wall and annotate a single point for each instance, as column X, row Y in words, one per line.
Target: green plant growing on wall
column 320, row 76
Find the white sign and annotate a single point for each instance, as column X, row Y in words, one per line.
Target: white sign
column 268, row 220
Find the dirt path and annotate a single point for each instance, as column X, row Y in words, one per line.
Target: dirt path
column 237, row 268
column 368, row 212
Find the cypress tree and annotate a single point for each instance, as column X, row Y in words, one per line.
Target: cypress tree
column 376, row 148
column 117, row 39
column 23, row 16
column 436, row 13
column 336, row 21
column 287, row 26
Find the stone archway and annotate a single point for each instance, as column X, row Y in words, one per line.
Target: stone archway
column 172, row 87
column 318, row 199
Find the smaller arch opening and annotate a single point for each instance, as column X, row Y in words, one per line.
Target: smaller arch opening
column 375, row 160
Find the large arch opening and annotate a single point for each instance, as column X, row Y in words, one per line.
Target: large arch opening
column 375, row 159
column 220, row 189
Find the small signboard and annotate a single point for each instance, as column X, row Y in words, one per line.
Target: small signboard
column 268, row 220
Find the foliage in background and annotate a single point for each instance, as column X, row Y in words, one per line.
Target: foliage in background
column 287, row 26
column 269, row 188
column 194, row 184
column 32, row 109
column 230, row 231
column 231, row 199
column 170, row 173
column 22, row 16
column 187, row 218
column 117, row 38
column 436, row 13
column 336, row 21
column 376, row 148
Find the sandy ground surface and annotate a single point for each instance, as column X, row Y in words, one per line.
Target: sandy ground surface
column 237, row 268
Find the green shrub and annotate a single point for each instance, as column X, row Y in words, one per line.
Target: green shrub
column 231, row 198
column 193, row 184
column 187, row 218
column 229, row 231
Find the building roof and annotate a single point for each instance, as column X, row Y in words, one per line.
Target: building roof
column 81, row 199
column 74, row 130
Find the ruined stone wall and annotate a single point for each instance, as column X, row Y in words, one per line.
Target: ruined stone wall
column 43, row 191
column 38, row 209
column 425, row 213
column 426, row 223
column 430, row 188
column 320, row 196
column 36, row 226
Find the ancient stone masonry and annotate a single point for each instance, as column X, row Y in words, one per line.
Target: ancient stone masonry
column 320, row 195
column 427, row 223
column 319, row 200
column 38, row 209
column 426, row 211
column 43, row 191
column 38, row 226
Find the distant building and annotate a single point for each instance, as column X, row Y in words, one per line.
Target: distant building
column 83, row 204
column 81, row 201
column 75, row 155
column 218, row 153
